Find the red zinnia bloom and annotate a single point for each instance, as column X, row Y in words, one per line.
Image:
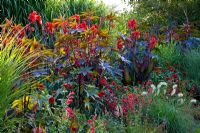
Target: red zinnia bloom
column 136, row 34
column 132, row 24
column 34, row 16
column 49, row 27
column 152, row 43
column 103, row 81
column 51, row 100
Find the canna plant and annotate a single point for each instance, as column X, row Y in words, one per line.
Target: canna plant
column 135, row 52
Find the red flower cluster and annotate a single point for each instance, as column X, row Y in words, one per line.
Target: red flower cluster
column 51, row 100
column 83, row 25
column 101, row 94
column 132, row 24
column 94, row 28
column 76, row 17
column 70, row 112
column 49, row 27
column 136, row 34
column 152, row 43
column 129, row 102
column 103, row 81
column 120, row 44
column 70, row 98
column 34, row 16
column 68, row 86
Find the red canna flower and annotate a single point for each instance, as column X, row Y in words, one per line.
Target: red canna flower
column 49, row 27
column 103, row 81
column 51, row 100
column 83, row 25
column 34, row 16
column 120, row 44
column 94, row 28
column 136, row 34
column 132, row 24
column 152, row 43
column 76, row 17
